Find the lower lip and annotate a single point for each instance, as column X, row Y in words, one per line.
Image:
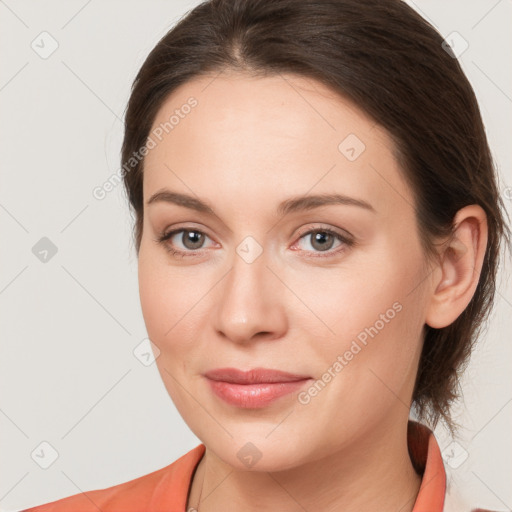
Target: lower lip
column 254, row 396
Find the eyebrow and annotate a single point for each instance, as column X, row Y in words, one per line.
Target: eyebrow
column 292, row 204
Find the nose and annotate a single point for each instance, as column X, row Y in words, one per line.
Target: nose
column 250, row 303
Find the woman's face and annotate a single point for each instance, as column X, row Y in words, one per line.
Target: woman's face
column 260, row 284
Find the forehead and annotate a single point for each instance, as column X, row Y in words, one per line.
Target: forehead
column 269, row 137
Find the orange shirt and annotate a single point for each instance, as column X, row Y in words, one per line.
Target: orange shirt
column 166, row 489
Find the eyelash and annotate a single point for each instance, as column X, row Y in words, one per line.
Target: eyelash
column 162, row 239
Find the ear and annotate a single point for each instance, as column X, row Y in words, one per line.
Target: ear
column 455, row 278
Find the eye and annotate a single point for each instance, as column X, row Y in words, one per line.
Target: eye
column 192, row 240
column 322, row 240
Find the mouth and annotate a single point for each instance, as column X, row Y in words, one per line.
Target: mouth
column 253, row 389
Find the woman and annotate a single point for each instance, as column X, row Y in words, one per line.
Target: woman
column 256, row 132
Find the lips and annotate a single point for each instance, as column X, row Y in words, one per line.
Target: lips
column 254, row 376
column 253, row 389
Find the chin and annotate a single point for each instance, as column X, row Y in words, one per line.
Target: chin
column 253, row 450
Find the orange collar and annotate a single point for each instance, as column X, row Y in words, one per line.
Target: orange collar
column 167, row 488
column 427, row 460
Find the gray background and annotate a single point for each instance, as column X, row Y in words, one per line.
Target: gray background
column 69, row 325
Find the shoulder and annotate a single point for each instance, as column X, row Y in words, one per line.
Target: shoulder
column 156, row 491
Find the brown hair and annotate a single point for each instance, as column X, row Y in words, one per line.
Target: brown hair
column 392, row 64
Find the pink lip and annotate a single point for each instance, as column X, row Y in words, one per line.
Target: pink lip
column 253, row 388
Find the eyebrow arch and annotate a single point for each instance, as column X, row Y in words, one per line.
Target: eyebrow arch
column 310, row 202
column 293, row 204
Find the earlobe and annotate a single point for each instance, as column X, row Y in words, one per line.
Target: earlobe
column 460, row 264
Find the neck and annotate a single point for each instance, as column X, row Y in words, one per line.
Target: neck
column 373, row 473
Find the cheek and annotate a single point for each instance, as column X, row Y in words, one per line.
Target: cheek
column 337, row 303
column 154, row 299
column 166, row 301
column 164, row 307
column 372, row 316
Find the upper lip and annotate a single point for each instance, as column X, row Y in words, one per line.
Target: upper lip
column 254, row 376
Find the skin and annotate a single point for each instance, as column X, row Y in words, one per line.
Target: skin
column 249, row 144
